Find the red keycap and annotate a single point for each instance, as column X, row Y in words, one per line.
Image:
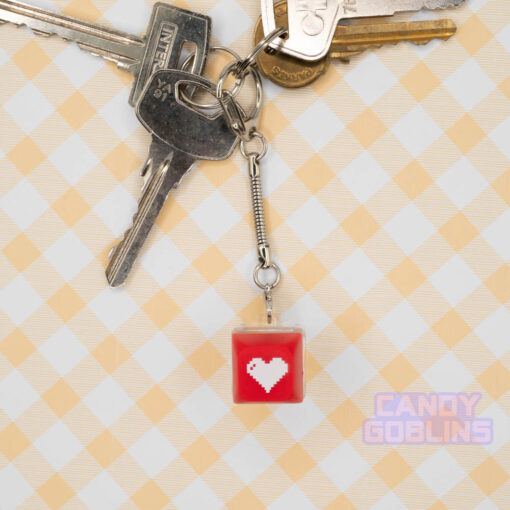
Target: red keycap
column 267, row 365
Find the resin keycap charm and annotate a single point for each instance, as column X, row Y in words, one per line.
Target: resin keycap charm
column 267, row 364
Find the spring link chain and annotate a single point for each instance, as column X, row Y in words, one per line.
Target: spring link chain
column 264, row 253
column 253, row 145
column 258, row 212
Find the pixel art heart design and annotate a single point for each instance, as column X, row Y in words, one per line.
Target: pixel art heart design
column 267, row 374
column 267, row 365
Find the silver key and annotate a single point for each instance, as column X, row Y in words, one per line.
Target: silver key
column 312, row 23
column 169, row 28
column 181, row 136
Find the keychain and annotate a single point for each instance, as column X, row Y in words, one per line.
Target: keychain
column 267, row 360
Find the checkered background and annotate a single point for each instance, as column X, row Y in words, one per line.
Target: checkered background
column 388, row 185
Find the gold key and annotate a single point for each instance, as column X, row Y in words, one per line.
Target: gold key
column 349, row 40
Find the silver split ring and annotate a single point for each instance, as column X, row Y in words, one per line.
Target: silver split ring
column 213, row 104
column 229, row 69
column 243, row 65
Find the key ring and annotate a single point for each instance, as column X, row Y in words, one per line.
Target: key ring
column 259, row 91
column 235, row 90
column 243, row 65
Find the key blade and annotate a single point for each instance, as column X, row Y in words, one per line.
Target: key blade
column 164, row 176
column 354, row 39
column 124, row 49
column 370, row 8
column 181, row 136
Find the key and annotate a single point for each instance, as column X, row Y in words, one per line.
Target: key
column 181, row 136
column 169, row 28
column 349, row 40
column 312, row 23
column 360, row 38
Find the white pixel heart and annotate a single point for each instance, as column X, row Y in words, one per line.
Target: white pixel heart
column 267, row 374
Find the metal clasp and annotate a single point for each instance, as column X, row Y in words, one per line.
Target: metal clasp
column 269, row 303
column 234, row 114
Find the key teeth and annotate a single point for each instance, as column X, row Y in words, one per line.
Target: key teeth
column 111, row 272
column 21, row 25
column 120, row 263
column 442, row 4
column 124, row 64
column 114, row 274
column 36, row 32
column 114, row 283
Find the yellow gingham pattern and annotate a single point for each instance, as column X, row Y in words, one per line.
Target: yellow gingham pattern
column 388, row 185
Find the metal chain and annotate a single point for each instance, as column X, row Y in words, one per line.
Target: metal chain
column 258, row 211
column 253, row 145
column 266, row 264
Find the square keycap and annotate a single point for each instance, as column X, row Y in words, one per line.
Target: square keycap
column 267, row 364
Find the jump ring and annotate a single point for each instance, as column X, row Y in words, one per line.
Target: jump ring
column 267, row 286
column 258, row 155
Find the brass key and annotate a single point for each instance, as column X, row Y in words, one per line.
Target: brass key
column 349, row 40
column 354, row 39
